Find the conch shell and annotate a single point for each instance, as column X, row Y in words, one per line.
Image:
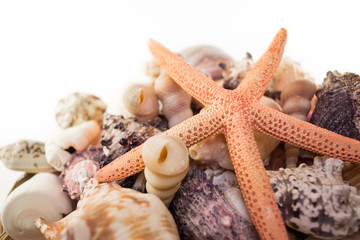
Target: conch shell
column 40, row 196
column 166, row 161
column 108, row 211
column 315, row 200
column 25, row 155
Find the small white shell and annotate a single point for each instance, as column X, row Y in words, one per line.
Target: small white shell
column 76, row 108
column 59, row 146
column 108, row 211
column 141, row 101
column 167, row 162
column 40, row 196
column 175, row 101
column 25, row 155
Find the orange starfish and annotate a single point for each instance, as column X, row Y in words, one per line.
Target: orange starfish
column 237, row 114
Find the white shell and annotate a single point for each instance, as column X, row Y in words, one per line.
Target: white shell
column 40, row 196
column 108, row 211
column 77, row 138
column 141, row 101
column 167, row 163
column 25, row 155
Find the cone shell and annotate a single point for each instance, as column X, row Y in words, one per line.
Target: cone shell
column 25, row 155
column 76, row 108
column 315, row 200
column 109, row 211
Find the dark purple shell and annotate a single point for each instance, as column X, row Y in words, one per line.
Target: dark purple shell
column 201, row 211
column 79, row 170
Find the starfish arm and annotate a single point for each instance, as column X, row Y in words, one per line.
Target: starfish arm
column 191, row 80
column 254, row 182
column 261, row 74
column 191, row 131
column 306, row 135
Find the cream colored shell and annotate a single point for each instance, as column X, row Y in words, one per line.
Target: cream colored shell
column 76, row 108
column 167, row 163
column 141, row 101
column 108, row 211
column 40, row 196
column 58, row 147
column 175, row 101
column 25, row 155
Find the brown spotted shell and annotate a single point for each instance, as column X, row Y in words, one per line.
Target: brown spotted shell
column 315, row 200
column 76, row 108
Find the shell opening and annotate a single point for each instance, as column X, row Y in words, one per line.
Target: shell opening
column 141, row 96
column 193, row 153
column 163, row 155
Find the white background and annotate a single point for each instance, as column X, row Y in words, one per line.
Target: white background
column 52, row 48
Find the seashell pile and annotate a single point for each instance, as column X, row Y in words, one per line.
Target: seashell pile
column 184, row 193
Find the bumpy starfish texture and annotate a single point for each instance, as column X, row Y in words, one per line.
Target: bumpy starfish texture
column 237, row 114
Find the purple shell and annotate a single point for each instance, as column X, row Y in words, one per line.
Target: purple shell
column 79, row 170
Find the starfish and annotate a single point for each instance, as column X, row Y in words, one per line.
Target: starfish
column 236, row 114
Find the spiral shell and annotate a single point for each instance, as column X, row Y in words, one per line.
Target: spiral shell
column 315, row 200
column 108, row 211
column 25, row 155
column 79, row 170
column 167, row 162
column 76, row 108
column 141, row 101
column 40, row 196
column 60, row 146
column 175, row 101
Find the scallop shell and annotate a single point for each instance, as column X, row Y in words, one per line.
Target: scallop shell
column 315, row 200
column 25, row 155
column 76, row 108
column 120, row 135
column 202, row 211
column 337, row 108
column 79, row 170
column 108, row 211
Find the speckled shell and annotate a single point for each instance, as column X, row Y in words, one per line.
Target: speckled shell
column 76, row 108
column 25, row 155
column 79, row 170
column 315, row 200
column 338, row 104
column 202, row 211
column 120, row 135
column 108, row 211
